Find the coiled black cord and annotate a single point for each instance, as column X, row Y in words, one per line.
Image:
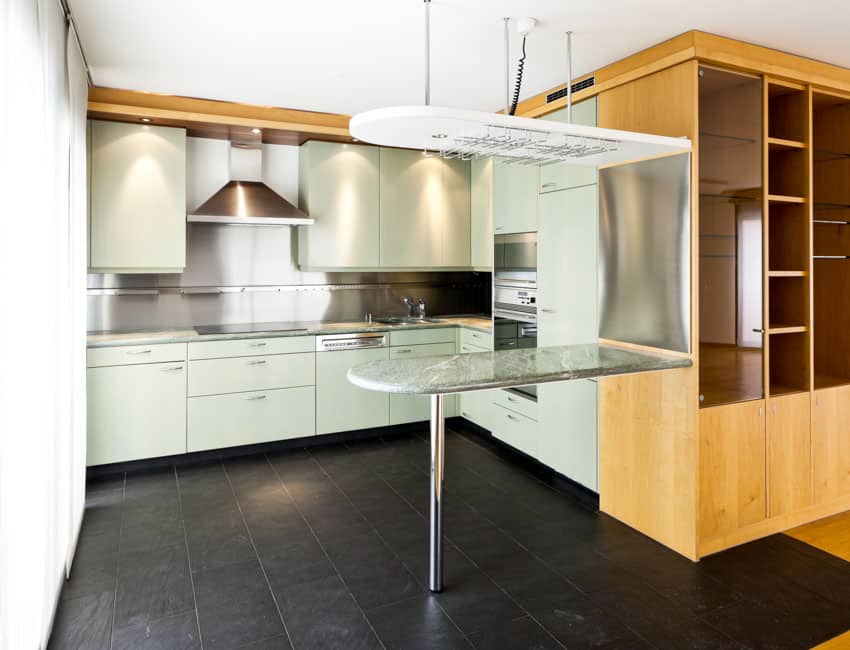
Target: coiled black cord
column 519, row 68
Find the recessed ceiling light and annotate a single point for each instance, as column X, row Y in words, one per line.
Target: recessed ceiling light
column 255, row 130
column 146, row 119
column 439, row 136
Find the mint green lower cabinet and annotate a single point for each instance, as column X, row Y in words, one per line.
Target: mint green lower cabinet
column 516, row 429
column 217, row 421
column 342, row 406
column 136, row 411
column 568, row 429
column 239, row 374
column 415, row 408
column 477, row 407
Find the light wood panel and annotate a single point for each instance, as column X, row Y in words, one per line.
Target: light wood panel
column 831, row 443
column 831, row 534
column 732, row 467
column 649, row 454
column 841, row 642
column 789, row 461
column 217, row 119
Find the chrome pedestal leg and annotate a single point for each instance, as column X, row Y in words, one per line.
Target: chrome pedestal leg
column 438, row 458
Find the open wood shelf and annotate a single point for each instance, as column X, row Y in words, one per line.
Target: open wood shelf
column 787, row 274
column 788, row 304
column 787, row 112
column 780, row 198
column 787, row 329
column 777, row 390
column 780, row 144
column 830, row 381
column 788, row 363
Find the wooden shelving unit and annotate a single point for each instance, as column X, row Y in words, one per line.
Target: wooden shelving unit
column 831, row 239
column 788, row 236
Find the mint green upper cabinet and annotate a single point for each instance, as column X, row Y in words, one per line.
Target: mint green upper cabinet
column 424, row 210
column 481, row 213
column 562, row 176
column 137, row 218
column 514, row 197
column 567, row 244
column 339, row 189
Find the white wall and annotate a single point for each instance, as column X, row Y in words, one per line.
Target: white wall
column 208, row 168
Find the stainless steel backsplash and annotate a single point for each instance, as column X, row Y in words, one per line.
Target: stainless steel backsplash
column 237, row 274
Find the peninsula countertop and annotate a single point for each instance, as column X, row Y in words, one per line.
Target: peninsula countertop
column 305, row 328
column 457, row 373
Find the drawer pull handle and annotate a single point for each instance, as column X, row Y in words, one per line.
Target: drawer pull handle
column 548, row 185
column 139, row 351
column 172, row 369
column 406, row 351
column 512, row 417
column 257, row 363
column 256, row 345
column 254, row 398
column 548, row 311
column 464, row 414
column 512, row 399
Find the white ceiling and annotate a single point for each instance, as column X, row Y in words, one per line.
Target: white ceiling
column 345, row 56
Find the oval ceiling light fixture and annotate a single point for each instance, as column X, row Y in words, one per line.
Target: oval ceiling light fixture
column 465, row 134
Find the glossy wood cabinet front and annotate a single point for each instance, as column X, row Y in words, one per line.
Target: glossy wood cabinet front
column 831, row 443
column 137, row 217
column 789, row 453
column 732, row 462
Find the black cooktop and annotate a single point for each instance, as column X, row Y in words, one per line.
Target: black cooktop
column 249, row 328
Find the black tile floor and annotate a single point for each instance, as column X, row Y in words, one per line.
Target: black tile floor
column 327, row 548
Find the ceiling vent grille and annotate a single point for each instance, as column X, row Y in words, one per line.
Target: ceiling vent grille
column 578, row 85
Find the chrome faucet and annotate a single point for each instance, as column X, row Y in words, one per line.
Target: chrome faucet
column 420, row 308
column 410, row 306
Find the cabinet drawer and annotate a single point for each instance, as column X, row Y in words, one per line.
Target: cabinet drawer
column 416, row 351
column 251, row 347
column 515, row 429
column 132, row 354
column 478, row 339
column 510, row 400
column 246, row 418
column 467, row 348
column 239, row 374
column 422, row 337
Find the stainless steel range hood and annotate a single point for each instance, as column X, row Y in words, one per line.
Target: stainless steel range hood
column 246, row 200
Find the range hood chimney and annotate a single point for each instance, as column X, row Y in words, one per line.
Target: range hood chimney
column 245, row 199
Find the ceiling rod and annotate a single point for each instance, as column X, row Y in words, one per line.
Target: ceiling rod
column 507, row 65
column 427, row 52
column 570, row 77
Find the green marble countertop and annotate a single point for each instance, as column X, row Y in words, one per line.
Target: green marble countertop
column 306, row 328
column 457, row 373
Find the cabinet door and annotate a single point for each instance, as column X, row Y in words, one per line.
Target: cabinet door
column 567, row 249
column 415, row 408
column 562, row 176
column 514, row 197
column 342, row 406
column 831, row 443
column 339, row 189
column 515, row 429
column 568, row 430
column 789, row 449
column 138, row 198
column 136, row 411
column 732, row 467
column 481, row 213
column 424, row 210
column 218, row 421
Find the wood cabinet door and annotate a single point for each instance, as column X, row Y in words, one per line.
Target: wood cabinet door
column 136, row 411
column 831, row 443
column 567, row 250
column 339, row 189
column 732, row 467
column 481, row 213
column 138, row 198
column 789, row 453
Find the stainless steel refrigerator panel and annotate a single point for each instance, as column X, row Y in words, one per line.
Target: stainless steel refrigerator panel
column 645, row 253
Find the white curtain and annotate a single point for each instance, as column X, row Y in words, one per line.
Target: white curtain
column 42, row 318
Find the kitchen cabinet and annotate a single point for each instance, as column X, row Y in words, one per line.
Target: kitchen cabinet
column 136, row 410
column 476, row 338
column 241, row 374
column 481, row 213
column 424, row 210
column 342, row 406
column 561, row 176
column 515, row 429
column 568, row 440
column 514, row 197
column 339, row 188
column 567, row 244
column 416, row 408
column 789, row 453
column 732, row 462
column 423, row 336
column 218, row 421
column 831, row 443
column 137, row 199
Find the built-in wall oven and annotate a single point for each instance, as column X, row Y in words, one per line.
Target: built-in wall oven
column 515, row 295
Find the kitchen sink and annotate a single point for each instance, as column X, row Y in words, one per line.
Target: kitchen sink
column 405, row 320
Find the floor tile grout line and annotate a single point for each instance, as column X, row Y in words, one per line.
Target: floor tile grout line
column 324, row 550
column 257, row 556
column 188, row 558
column 117, row 563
